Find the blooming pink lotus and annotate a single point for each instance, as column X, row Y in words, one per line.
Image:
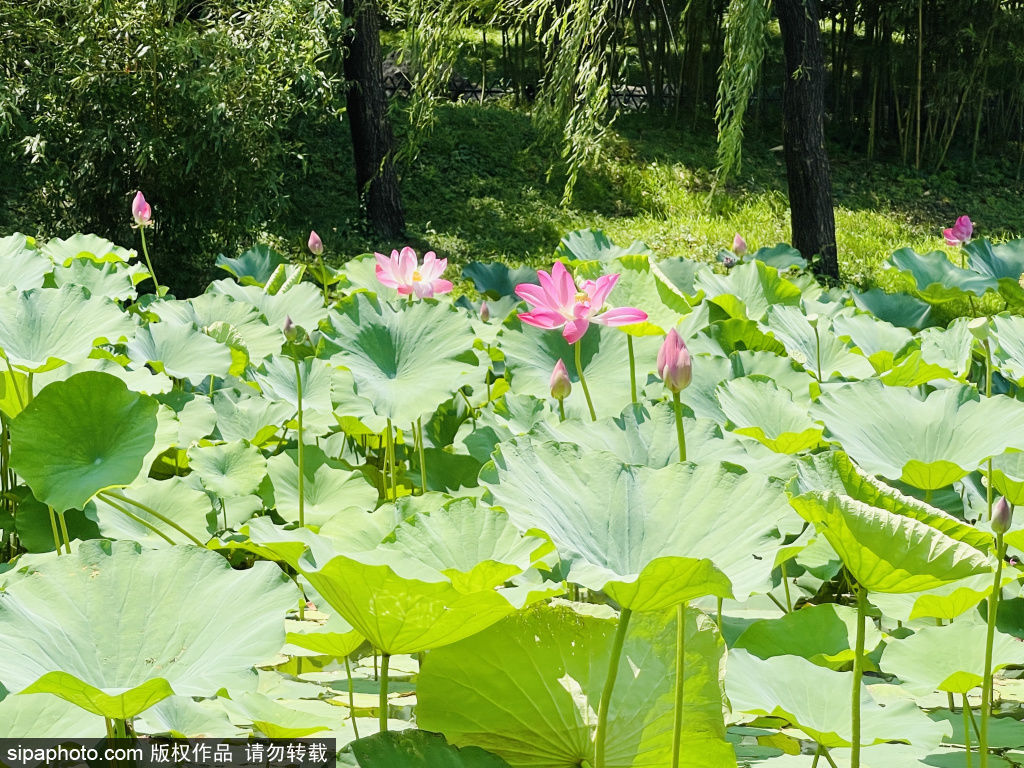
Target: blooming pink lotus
column 402, row 272
column 141, row 211
column 960, row 233
column 559, row 304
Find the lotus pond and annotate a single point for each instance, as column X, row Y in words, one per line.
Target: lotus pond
column 630, row 511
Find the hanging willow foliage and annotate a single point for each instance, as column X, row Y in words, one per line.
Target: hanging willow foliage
column 746, row 33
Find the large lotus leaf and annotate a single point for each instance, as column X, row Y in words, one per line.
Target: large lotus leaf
column 823, row 634
column 936, row 280
column 678, row 278
column 1008, row 352
column 879, row 341
column 757, row 408
column 139, row 378
column 928, row 443
column 650, row 538
column 824, row 350
column 80, row 436
column 173, row 499
column 708, row 372
column 46, row 717
column 260, row 339
column 949, row 658
column 723, row 337
column 114, row 629
column 818, row 702
column 334, row 637
column 781, row 256
column 100, row 279
column 254, row 267
column 181, row 717
column 945, row 602
column 527, row 689
column 302, row 302
column 419, row 749
column 594, row 245
column 531, row 354
column 81, row 246
column 277, row 720
column 949, row 348
column 748, row 290
column 786, row 373
column 494, row 280
column 328, row 486
column 278, row 381
column 405, row 361
column 43, row 328
column 21, row 266
column 913, row 371
column 887, row 552
column 900, row 309
column 1004, row 262
column 396, row 596
column 181, row 351
column 241, row 416
column 228, row 469
column 638, row 286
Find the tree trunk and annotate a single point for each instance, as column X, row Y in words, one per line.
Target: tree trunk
column 372, row 138
column 803, row 115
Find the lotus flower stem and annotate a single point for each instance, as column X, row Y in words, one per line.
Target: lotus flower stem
column 989, row 490
column 949, row 696
column 351, row 698
column 586, row 394
column 149, row 264
column 858, row 674
column 632, row 368
column 561, row 409
column 423, row 460
column 986, row 686
column 988, row 369
column 609, row 685
column 302, row 474
column 967, row 731
column 14, row 381
column 719, row 615
column 677, row 407
column 323, row 278
column 383, row 703
column 391, row 462
column 817, row 350
column 64, row 530
column 785, row 584
column 677, row 714
column 106, row 495
column 138, row 520
column 56, row 535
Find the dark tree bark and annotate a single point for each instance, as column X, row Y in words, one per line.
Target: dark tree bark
column 803, row 115
column 372, row 137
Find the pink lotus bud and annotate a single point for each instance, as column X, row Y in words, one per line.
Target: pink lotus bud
column 560, row 384
column 1002, row 516
column 289, row 329
column 960, row 233
column 674, row 365
column 141, row 211
column 739, row 245
column 485, row 312
column 315, row 244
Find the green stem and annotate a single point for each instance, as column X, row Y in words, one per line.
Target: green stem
column 323, row 277
column 989, row 490
column 719, row 615
column 149, row 264
column 858, row 673
column 120, row 729
column 609, row 685
column 302, row 456
column 825, row 752
column 586, row 393
column 53, row 525
column 677, row 406
column 677, row 719
column 383, row 715
column 391, row 462
column 14, row 381
column 351, row 698
column 64, row 530
column 632, row 368
column 561, row 409
column 986, row 687
column 817, row 351
column 967, row 731
column 423, row 459
column 113, row 494
column 140, row 521
column 988, row 369
column 785, row 583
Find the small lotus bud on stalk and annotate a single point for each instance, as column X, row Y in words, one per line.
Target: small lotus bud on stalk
column 960, row 233
column 561, row 386
column 674, row 365
column 141, row 210
column 290, row 331
column 485, row 312
column 739, row 245
column 315, row 244
column 1002, row 516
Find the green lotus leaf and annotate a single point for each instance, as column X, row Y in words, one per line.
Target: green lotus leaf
column 748, row 290
column 229, row 469
column 1004, row 262
column 43, row 328
column 817, row 701
column 100, row 279
column 114, row 629
column 80, row 436
column 173, row 499
column 649, row 538
column 255, row 266
column 913, row 371
column 945, row 602
column 35, row 531
column 928, row 443
column 949, row 348
column 260, row 339
column 81, row 246
column 494, row 280
column 439, row 587
column 708, row 372
column 14, row 392
column 678, row 281
column 936, row 280
column 1008, row 350
column 786, row 373
column 880, row 342
column 900, row 309
column 888, row 552
column 181, row 717
column 732, row 335
column 756, row 407
column 950, row 658
column 228, row 335
column 531, row 354
column 639, row 286
column 527, row 689
column 302, row 302
column 328, row 486
column 419, row 749
column 335, row 637
column 47, row 717
column 824, row 350
column 594, row 245
column 405, row 361
column 21, row 266
column 138, row 378
column 277, row 380
column 243, row 416
column 781, row 256
column 275, row 720
column 181, row 351
column 823, row 634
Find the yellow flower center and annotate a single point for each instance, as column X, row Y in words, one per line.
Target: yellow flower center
column 582, row 296
column 416, row 276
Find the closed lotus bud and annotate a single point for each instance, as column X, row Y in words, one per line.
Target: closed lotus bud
column 315, row 244
column 485, row 312
column 290, row 332
column 141, row 211
column 560, row 384
column 739, row 245
column 1002, row 516
column 979, row 328
column 674, row 365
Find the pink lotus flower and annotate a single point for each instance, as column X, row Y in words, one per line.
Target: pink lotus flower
column 1002, row 516
column 141, row 211
column 674, row 364
column 960, row 233
column 559, row 303
column 402, row 272
column 739, row 245
column 561, row 386
column 315, row 244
